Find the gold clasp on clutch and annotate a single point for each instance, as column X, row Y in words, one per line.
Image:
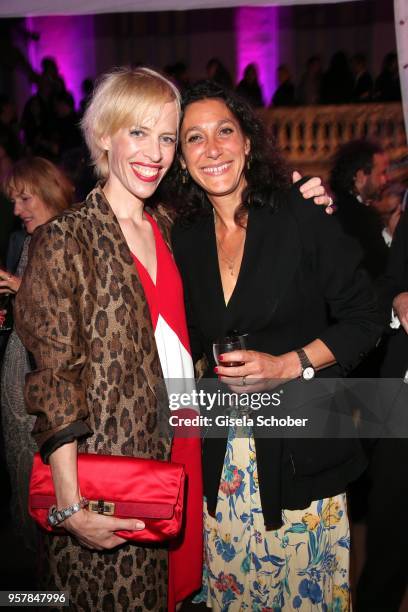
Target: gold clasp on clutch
column 100, row 506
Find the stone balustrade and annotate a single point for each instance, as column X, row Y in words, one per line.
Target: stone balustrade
column 308, row 136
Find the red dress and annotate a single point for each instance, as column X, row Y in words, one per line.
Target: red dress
column 166, row 304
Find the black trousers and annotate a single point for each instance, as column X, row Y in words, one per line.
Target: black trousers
column 384, row 578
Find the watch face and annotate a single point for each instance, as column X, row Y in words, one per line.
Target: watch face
column 308, row 373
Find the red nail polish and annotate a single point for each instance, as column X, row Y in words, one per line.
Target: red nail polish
column 216, row 370
column 221, row 357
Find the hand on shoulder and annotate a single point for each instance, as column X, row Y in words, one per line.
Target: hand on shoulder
column 313, row 188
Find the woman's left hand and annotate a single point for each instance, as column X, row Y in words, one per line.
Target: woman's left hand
column 260, row 371
column 313, row 188
column 8, row 282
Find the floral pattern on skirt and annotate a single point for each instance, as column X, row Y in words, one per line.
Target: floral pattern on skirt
column 302, row 566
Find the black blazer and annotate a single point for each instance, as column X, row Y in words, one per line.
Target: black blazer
column 299, row 280
column 364, row 224
column 396, row 281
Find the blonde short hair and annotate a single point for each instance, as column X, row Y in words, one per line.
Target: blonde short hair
column 40, row 177
column 122, row 98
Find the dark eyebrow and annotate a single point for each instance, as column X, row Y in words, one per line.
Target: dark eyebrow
column 220, row 122
column 194, row 127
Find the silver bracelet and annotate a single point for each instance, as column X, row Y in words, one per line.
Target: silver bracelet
column 55, row 517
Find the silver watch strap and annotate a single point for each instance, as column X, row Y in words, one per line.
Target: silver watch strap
column 55, row 517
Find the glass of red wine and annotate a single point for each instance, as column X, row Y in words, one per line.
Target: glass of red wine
column 5, row 304
column 233, row 342
column 227, row 345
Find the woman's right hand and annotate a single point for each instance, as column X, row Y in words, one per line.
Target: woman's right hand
column 97, row 532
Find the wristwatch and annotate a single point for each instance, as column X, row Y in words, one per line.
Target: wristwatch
column 308, row 371
column 55, row 517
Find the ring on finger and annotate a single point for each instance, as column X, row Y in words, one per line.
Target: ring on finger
column 330, row 202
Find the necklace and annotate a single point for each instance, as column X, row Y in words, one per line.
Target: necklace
column 230, row 261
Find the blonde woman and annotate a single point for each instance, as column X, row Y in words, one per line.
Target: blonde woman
column 92, row 310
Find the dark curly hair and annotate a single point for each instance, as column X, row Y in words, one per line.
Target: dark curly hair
column 348, row 160
column 267, row 171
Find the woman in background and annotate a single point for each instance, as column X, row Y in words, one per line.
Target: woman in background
column 38, row 191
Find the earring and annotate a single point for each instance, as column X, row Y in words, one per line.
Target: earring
column 248, row 164
column 184, row 177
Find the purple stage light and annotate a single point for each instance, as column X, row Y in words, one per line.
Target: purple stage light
column 70, row 41
column 257, row 42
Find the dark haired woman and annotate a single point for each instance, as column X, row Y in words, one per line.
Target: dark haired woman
column 255, row 258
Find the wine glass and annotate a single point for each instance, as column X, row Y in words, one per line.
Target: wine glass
column 5, row 304
column 227, row 345
column 233, row 342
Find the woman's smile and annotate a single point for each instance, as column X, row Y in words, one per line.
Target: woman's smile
column 146, row 172
column 218, row 169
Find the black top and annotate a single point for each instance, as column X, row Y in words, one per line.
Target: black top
column 298, row 273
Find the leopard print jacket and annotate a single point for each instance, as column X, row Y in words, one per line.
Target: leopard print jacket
column 82, row 313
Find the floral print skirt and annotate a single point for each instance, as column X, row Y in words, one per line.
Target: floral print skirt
column 302, row 566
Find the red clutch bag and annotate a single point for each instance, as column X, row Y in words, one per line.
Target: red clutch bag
column 126, row 487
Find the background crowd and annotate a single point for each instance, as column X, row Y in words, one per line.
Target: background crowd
column 48, row 125
column 49, row 122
